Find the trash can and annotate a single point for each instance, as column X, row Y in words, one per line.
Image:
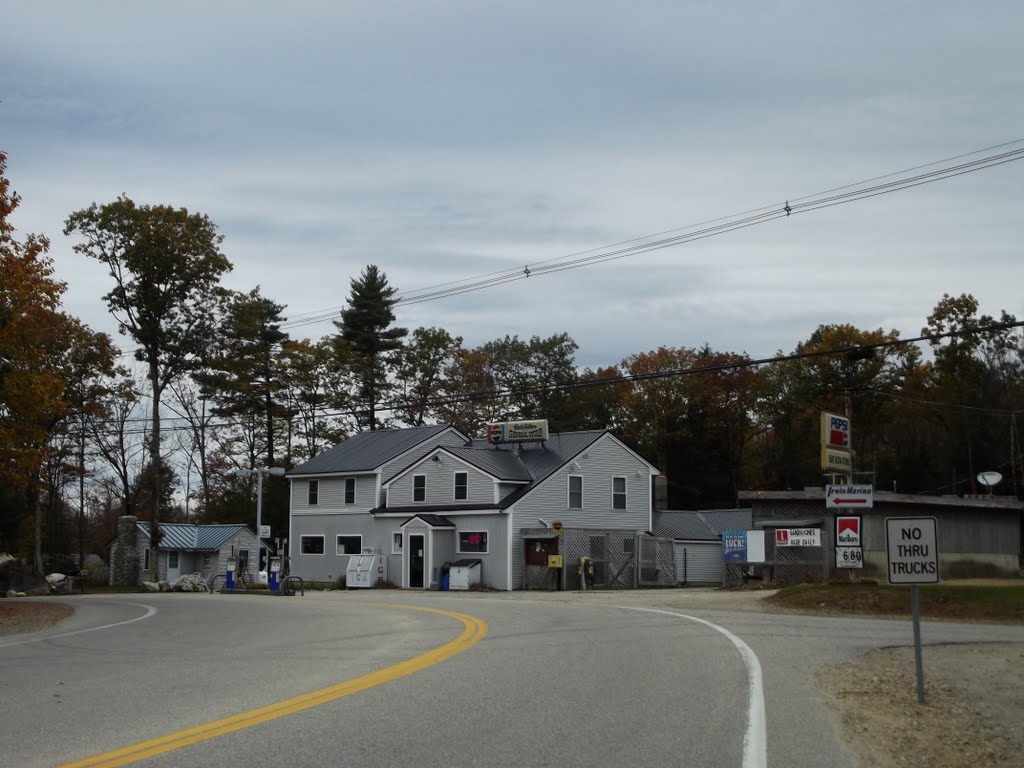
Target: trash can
column 464, row 573
column 445, row 576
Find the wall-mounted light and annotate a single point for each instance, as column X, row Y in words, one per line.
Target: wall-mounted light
column 436, row 458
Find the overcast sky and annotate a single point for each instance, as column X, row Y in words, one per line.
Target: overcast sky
column 446, row 140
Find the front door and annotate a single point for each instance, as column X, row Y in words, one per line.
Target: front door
column 173, row 566
column 416, row 560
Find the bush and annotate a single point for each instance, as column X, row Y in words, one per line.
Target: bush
column 191, row 582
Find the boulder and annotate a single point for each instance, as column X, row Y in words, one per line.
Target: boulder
column 150, row 586
column 165, row 586
column 58, row 582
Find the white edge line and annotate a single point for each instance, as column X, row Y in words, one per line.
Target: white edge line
column 150, row 611
column 755, row 748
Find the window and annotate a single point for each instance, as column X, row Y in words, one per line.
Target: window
column 618, row 493
column 472, row 541
column 206, row 562
column 396, row 543
column 575, row 492
column 243, row 560
column 172, row 559
column 419, row 487
column 350, row 490
column 145, row 565
column 461, row 485
column 312, row 545
column 349, row 545
column 313, row 497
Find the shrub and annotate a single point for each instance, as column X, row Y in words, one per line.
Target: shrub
column 191, row 582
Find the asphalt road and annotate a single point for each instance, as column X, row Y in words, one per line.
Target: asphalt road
column 430, row 680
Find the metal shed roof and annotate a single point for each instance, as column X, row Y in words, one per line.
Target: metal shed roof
column 203, row 538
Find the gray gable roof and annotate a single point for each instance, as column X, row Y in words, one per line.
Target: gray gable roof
column 366, row 451
column 188, row 536
column 503, row 465
column 543, row 459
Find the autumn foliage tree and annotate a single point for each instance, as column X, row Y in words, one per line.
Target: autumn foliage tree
column 49, row 363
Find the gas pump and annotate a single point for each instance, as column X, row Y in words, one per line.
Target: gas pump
column 275, row 573
column 229, row 574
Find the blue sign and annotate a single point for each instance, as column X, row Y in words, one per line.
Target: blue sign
column 734, row 546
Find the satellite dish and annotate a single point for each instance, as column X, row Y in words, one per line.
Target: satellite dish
column 988, row 479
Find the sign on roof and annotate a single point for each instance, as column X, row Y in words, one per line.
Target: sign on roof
column 518, row 431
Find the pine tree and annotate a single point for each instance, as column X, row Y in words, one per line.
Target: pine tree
column 367, row 340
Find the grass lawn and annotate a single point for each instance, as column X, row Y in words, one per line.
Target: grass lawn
column 973, row 602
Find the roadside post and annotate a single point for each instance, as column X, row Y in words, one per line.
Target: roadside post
column 911, row 545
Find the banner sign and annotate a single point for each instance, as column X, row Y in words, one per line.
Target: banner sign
column 734, row 546
column 797, row 537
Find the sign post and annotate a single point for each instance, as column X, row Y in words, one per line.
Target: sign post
column 911, row 545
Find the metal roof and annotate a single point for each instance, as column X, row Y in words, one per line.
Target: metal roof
column 699, row 525
column 203, row 538
column 366, row 451
column 503, row 465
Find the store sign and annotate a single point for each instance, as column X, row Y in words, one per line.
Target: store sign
column 797, row 537
column 518, row 431
column 836, row 455
column 848, row 530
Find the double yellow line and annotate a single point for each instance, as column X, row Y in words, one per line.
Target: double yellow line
column 474, row 631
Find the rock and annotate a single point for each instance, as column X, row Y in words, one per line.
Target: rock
column 12, row 593
column 165, row 586
column 150, row 586
column 58, row 582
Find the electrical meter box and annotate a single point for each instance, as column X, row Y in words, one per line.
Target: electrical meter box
column 366, row 569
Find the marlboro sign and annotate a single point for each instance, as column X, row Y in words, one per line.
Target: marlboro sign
column 848, row 531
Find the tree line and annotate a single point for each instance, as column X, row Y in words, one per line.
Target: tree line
column 218, row 385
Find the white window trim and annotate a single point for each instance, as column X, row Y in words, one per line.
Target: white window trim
column 347, row 536
column 568, row 492
column 310, row 502
column 624, row 494
column 424, row 499
column 455, row 486
column 320, row 536
column 397, row 551
column 458, row 544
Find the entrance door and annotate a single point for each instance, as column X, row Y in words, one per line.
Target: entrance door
column 416, row 560
column 173, row 566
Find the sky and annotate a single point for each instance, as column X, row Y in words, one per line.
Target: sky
column 442, row 141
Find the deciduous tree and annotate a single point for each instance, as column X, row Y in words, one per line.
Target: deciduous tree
column 166, row 265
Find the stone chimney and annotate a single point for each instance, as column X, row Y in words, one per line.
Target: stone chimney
column 124, row 557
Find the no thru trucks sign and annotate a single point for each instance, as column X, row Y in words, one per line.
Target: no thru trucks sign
column 911, row 544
